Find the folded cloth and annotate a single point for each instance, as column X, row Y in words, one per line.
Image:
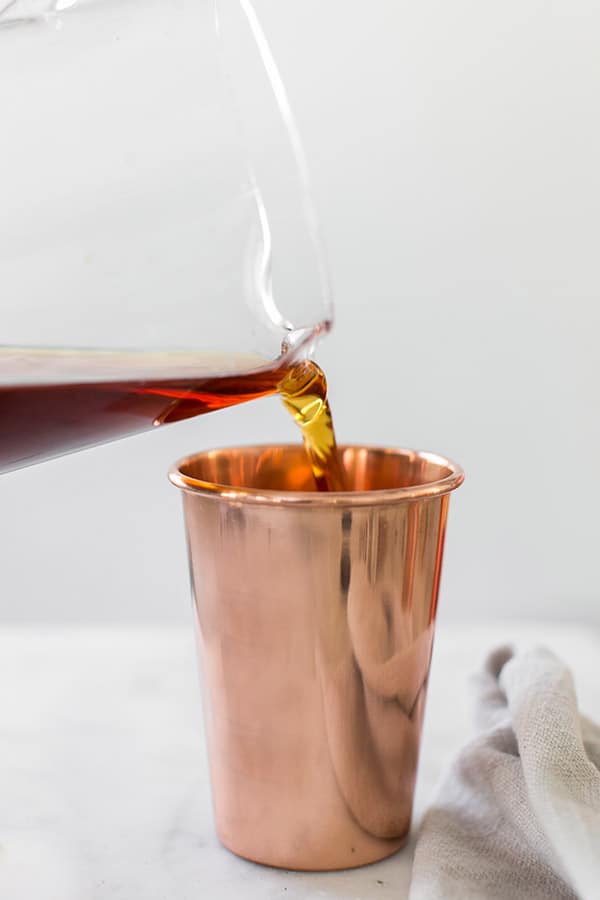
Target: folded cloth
column 518, row 815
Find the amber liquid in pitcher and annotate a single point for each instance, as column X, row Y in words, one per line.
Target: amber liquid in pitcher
column 55, row 402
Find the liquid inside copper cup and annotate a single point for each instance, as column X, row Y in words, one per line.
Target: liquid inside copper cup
column 315, row 615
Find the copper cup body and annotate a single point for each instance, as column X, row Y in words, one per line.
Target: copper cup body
column 315, row 616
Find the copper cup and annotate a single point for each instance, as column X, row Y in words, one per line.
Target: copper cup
column 315, row 615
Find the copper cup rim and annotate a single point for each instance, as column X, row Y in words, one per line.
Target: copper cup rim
column 449, row 482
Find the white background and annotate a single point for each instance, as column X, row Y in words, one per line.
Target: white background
column 454, row 149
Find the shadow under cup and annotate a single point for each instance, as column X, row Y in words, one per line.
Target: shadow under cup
column 315, row 617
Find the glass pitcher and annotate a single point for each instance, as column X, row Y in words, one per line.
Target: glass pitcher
column 159, row 254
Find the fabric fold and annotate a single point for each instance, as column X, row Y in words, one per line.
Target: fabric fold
column 518, row 815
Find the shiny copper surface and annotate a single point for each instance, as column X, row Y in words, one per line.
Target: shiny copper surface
column 315, row 615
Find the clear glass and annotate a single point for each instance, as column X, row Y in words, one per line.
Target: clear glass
column 154, row 192
column 159, row 253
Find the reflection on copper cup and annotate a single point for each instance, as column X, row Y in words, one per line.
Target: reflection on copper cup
column 315, row 616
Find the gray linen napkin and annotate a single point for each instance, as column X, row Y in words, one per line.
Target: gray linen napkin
column 518, row 815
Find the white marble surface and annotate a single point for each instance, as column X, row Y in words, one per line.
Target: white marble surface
column 103, row 782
